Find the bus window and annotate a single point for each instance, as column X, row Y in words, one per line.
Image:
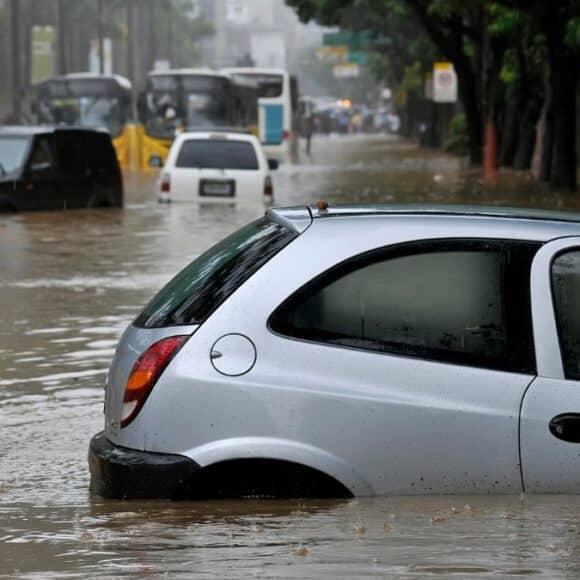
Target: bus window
column 270, row 85
column 209, row 101
column 94, row 103
column 191, row 101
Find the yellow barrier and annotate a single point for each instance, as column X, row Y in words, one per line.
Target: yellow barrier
column 152, row 147
column 128, row 148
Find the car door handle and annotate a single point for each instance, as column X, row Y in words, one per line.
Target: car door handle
column 215, row 354
column 566, row 427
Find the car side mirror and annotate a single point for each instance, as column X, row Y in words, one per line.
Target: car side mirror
column 273, row 164
column 155, row 161
column 41, row 167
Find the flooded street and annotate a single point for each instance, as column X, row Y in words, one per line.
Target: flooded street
column 69, row 284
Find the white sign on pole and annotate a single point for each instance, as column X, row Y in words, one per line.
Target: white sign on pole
column 444, row 83
column 94, row 57
column 346, row 71
column 193, row 9
column 237, row 11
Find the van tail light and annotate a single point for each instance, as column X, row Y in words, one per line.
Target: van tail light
column 145, row 373
column 268, row 187
column 166, row 183
column 286, row 135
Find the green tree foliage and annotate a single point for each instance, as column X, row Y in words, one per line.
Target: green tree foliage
column 513, row 59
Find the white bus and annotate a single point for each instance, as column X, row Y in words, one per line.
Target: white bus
column 277, row 109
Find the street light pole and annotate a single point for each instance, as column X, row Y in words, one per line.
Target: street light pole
column 130, row 40
column 61, row 31
column 16, row 59
column 101, row 40
column 171, row 30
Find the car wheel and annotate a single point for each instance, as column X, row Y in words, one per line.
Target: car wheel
column 100, row 201
column 7, row 205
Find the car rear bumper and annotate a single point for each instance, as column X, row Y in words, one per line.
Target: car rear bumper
column 121, row 473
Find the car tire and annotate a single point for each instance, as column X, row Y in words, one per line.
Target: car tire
column 98, row 201
column 7, row 205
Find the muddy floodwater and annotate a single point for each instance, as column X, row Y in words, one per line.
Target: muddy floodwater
column 71, row 281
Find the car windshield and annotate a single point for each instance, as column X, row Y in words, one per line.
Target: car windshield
column 217, row 154
column 94, row 112
column 12, row 154
column 203, row 285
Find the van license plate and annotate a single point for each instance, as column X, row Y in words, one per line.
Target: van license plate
column 208, row 188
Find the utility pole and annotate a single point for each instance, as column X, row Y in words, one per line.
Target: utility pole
column 61, row 32
column 131, row 40
column 131, row 43
column 171, row 31
column 101, row 40
column 16, row 60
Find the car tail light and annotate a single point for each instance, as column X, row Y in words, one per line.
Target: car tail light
column 286, row 135
column 268, row 187
column 145, row 373
column 166, row 183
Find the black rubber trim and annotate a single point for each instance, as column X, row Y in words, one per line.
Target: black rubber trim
column 121, row 473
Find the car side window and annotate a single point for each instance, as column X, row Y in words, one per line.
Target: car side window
column 566, row 293
column 463, row 302
column 41, row 160
column 71, row 152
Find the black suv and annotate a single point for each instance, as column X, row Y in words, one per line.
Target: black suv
column 57, row 168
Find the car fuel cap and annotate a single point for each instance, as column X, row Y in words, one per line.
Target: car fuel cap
column 233, row 355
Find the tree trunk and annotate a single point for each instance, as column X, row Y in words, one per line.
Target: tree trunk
column 449, row 41
column 526, row 138
column 469, row 98
column 547, row 144
column 509, row 140
column 563, row 81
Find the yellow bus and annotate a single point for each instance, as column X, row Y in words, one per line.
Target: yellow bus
column 188, row 100
column 95, row 101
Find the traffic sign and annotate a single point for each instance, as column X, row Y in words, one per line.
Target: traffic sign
column 351, row 39
column 332, row 54
column 444, row 83
column 346, row 71
column 357, row 58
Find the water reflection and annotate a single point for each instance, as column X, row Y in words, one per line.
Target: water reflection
column 69, row 284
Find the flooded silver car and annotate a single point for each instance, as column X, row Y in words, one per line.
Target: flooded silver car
column 410, row 325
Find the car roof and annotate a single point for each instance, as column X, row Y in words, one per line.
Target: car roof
column 217, row 136
column 546, row 222
column 31, row 130
column 444, row 209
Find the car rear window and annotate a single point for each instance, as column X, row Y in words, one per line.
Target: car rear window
column 217, row 154
column 203, row 285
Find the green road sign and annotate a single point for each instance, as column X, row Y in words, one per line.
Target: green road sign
column 351, row 39
column 357, row 58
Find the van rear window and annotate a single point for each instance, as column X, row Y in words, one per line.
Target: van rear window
column 203, row 285
column 217, row 154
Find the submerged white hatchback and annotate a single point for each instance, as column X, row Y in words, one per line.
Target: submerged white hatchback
column 217, row 166
column 355, row 351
